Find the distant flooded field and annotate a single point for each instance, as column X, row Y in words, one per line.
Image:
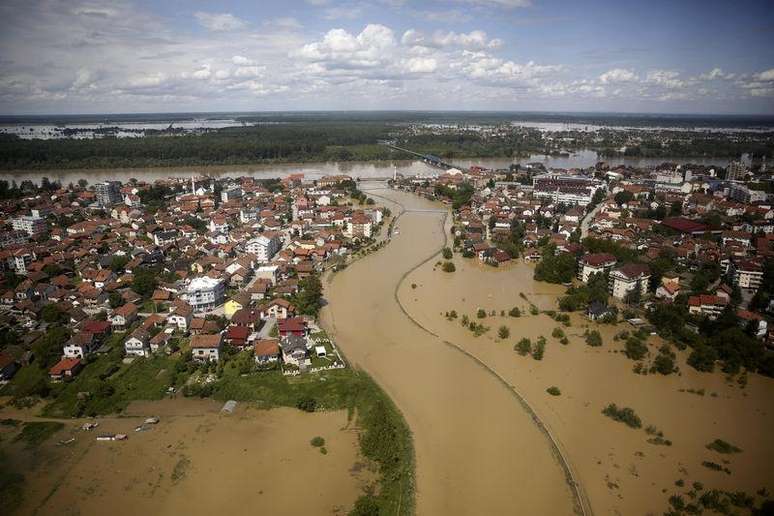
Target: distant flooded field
column 196, row 461
column 619, row 470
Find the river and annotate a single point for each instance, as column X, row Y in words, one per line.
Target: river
column 361, row 169
column 477, row 450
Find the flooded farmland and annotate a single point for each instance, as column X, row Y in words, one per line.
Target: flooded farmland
column 478, row 451
column 197, row 461
column 620, row 471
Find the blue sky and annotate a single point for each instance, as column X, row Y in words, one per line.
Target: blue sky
column 62, row 56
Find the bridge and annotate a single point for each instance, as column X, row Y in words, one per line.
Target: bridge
column 433, row 161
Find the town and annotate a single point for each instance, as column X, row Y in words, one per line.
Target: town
column 206, row 270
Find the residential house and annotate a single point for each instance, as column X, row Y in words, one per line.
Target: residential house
column 138, row 344
column 206, row 347
column 123, row 316
column 266, row 351
column 292, row 326
column 9, row 366
column 294, row 350
column 598, row 263
column 65, row 368
column 278, row 308
column 707, row 305
column 80, row 345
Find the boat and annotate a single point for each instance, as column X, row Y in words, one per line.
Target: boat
column 151, row 421
column 89, row 426
column 112, row 437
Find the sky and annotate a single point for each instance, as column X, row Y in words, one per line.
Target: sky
column 134, row 56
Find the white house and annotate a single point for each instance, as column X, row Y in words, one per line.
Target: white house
column 206, row 348
column 264, row 246
column 181, row 317
column 80, row 345
column 598, row 263
column 628, row 278
column 137, row 344
column 205, row 293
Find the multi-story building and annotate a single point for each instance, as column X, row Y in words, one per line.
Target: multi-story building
column 748, row 274
column 12, row 238
column 598, row 263
column 231, row 194
column 742, row 193
column 628, row 279
column 108, row 193
column 572, row 190
column 707, row 305
column 264, row 246
column 33, row 225
column 736, row 171
column 205, row 293
column 359, row 226
column 206, row 348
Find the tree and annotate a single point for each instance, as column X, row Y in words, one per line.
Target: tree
column 555, row 268
column 48, row 348
column 635, row 348
column 115, row 300
column 448, row 267
column 144, row 282
column 309, row 299
column 593, row 338
column 52, row 314
column 447, row 253
column 523, row 347
column 703, row 358
column 503, row 332
column 623, row 197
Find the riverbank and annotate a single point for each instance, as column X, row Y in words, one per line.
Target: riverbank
column 620, row 470
column 358, row 169
column 477, row 450
column 194, row 461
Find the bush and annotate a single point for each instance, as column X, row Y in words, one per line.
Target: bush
column 448, row 267
column 523, row 347
column 317, row 442
column 539, row 349
column 665, row 361
column 447, row 253
column 703, row 358
column 593, row 338
column 307, row 404
column 721, row 446
column 514, row 312
column 558, row 333
column 624, row 415
column 635, row 349
column 554, row 391
column 503, row 332
column 481, row 313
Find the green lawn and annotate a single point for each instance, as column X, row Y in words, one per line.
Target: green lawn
column 35, row 433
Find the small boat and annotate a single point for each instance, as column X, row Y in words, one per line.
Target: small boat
column 89, row 426
column 66, row 442
column 151, row 421
column 112, row 437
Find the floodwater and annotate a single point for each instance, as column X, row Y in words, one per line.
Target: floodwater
column 620, row 472
column 477, row 449
column 361, row 169
column 196, row 461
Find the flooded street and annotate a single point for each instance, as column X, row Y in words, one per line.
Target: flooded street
column 477, row 450
column 620, row 471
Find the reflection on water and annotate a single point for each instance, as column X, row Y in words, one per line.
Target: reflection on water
column 370, row 169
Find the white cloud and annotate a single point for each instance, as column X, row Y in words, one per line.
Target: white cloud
column 249, row 71
column 339, row 48
column 665, row 78
column 421, row 65
column 766, row 76
column 242, row 61
column 476, row 39
column 716, row 73
column 202, row 73
column 220, row 22
column 618, row 75
column 499, row 3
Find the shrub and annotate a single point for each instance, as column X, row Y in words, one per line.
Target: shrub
column 533, row 310
column 465, row 320
column 539, row 349
column 481, row 313
column 624, row 415
column 523, row 347
column 448, row 267
column 553, row 391
column 703, row 358
column 558, row 333
column 452, row 314
column 593, row 338
column 317, row 442
column 447, row 253
column 307, row 404
column 635, row 348
column 721, row 446
column 514, row 312
column 503, row 332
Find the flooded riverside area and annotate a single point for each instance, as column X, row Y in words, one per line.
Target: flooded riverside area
column 478, row 451
column 622, row 470
column 195, row 460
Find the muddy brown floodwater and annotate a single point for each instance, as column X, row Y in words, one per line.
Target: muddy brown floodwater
column 619, row 470
column 196, row 461
column 478, row 451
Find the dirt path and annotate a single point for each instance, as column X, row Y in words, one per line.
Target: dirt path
column 478, row 451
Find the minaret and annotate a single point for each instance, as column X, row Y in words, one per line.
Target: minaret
column 395, row 172
column 193, row 185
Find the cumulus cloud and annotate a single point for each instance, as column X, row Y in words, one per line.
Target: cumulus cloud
column 421, row 65
column 339, row 48
column 220, row 22
column 242, row 61
column 766, row 76
column 618, row 75
column 476, row 39
column 716, row 73
column 665, row 78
